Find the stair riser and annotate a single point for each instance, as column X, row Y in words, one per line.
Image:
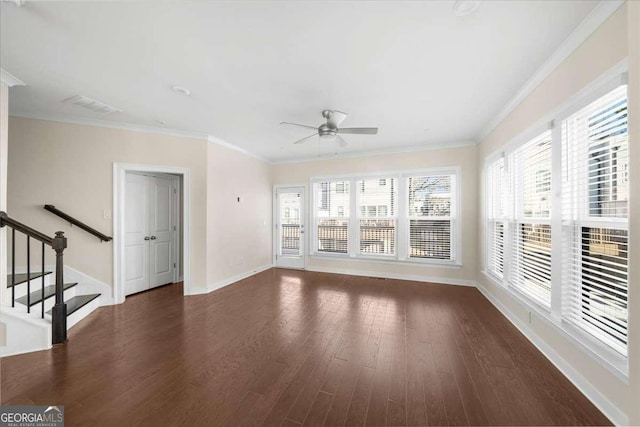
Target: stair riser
column 80, row 314
column 36, row 284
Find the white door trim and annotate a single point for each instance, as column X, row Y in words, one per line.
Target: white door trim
column 119, row 172
column 275, row 216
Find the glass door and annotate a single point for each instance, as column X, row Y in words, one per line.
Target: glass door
column 289, row 225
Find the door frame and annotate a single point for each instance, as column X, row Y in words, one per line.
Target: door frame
column 119, row 174
column 275, row 217
column 175, row 214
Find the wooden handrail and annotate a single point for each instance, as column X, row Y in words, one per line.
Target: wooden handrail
column 73, row 221
column 6, row 220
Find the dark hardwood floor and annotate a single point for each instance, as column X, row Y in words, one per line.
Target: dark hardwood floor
column 299, row 348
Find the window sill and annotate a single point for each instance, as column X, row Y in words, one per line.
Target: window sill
column 390, row 260
column 602, row 354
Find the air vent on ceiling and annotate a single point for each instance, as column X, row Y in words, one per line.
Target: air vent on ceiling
column 91, row 104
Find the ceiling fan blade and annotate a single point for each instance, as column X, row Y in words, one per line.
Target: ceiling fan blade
column 361, row 131
column 298, row 124
column 341, row 141
column 300, row 141
column 336, row 118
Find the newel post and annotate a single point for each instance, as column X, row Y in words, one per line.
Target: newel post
column 59, row 312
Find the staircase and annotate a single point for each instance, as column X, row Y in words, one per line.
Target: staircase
column 78, row 305
column 47, row 300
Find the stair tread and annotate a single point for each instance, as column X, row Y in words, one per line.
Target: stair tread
column 36, row 296
column 22, row 277
column 76, row 303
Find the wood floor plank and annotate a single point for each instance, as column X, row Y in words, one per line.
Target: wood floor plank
column 319, row 410
column 287, row 347
column 357, row 413
column 396, row 414
column 340, row 405
column 377, row 410
column 416, row 405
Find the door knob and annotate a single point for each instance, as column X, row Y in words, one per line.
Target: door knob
column 146, row 237
column 153, row 237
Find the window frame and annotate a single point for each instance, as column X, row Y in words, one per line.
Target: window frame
column 454, row 232
column 402, row 222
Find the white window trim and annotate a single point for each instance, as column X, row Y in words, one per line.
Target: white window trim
column 402, row 223
column 604, row 355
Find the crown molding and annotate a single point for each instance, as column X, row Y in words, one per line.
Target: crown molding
column 9, row 79
column 588, row 26
column 218, row 141
column 109, row 124
column 400, row 150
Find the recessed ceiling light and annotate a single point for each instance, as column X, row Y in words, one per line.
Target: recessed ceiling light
column 465, row 7
column 181, row 90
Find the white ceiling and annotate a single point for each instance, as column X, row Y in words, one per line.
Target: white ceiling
column 419, row 73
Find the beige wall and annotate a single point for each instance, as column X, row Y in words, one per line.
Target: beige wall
column 464, row 157
column 606, row 47
column 239, row 233
column 633, row 20
column 71, row 167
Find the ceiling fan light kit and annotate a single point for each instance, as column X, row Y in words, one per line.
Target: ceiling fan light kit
column 329, row 131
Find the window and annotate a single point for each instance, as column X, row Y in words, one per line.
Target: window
column 584, row 286
column 431, row 213
column 377, row 222
column 496, row 216
column 531, row 231
column 332, row 214
column 594, row 214
column 391, row 217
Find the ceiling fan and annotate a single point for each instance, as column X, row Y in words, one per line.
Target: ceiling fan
column 330, row 131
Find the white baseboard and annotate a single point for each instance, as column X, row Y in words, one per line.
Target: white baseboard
column 383, row 275
column 614, row 413
column 229, row 280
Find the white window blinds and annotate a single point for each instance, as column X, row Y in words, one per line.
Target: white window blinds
column 431, row 214
column 595, row 219
column 332, row 216
column 530, row 166
column 497, row 215
column 377, row 200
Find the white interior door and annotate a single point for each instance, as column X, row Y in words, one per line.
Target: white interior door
column 290, row 227
column 136, row 248
column 150, row 231
column 160, row 231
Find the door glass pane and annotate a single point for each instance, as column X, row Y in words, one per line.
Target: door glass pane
column 290, row 223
